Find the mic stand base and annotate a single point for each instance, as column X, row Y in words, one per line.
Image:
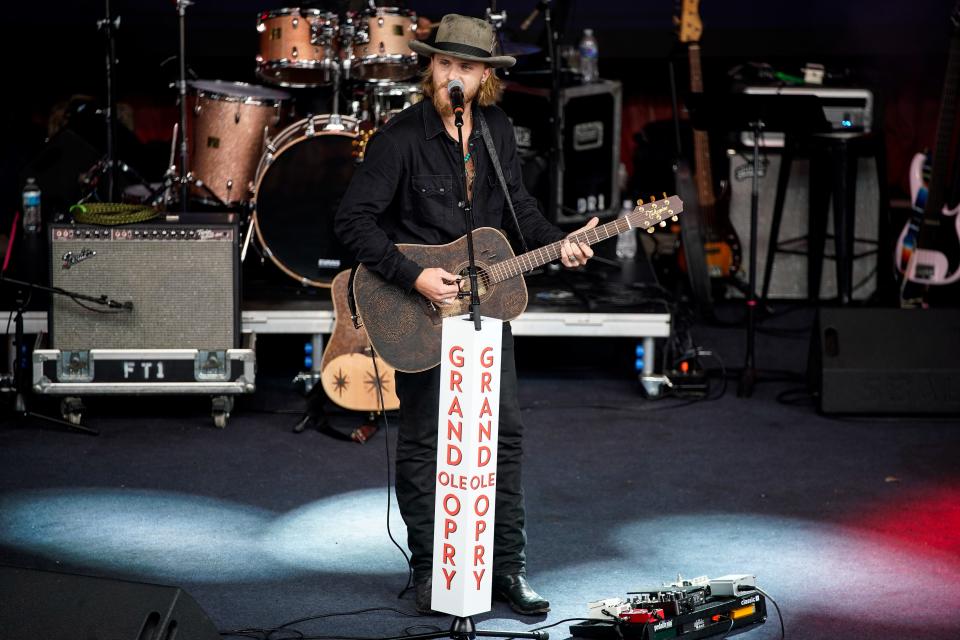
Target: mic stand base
column 23, row 414
column 465, row 629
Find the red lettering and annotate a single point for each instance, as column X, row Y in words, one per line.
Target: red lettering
column 449, row 526
column 453, row 450
column 455, row 407
column 449, row 551
column 486, row 358
column 455, row 379
column 446, row 506
column 456, row 356
column 448, row 576
column 443, row 478
column 481, row 527
column 477, row 506
column 454, row 430
column 485, row 409
column 478, row 551
column 479, row 577
column 486, row 432
column 483, row 456
column 485, row 379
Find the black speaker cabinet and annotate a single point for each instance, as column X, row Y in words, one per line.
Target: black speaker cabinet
column 176, row 279
column 587, row 179
column 62, row 606
column 886, row 361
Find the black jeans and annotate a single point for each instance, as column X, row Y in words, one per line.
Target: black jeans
column 419, row 395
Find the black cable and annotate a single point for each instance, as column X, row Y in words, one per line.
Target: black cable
column 269, row 634
column 386, row 446
column 783, row 631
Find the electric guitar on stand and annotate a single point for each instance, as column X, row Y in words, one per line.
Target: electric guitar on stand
column 928, row 249
column 720, row 243
column 405, row 328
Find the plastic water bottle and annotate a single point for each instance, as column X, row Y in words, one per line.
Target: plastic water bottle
column 589, row 53
column 31, row 206
column 627, row 241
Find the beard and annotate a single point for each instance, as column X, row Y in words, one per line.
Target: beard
column 441, row 100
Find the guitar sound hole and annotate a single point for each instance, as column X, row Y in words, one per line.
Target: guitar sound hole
column 482, row 283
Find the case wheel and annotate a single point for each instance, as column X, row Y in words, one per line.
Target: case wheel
column 71, row 409
column 221, row 408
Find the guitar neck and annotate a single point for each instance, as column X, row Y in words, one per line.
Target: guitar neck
column 642, row 217
column 937, row 193
column 701, row 144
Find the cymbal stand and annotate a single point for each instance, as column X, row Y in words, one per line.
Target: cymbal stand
column 109, row 26
column 497, row 19
column 182, row 90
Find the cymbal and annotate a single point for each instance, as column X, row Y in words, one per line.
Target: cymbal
column 508, row 47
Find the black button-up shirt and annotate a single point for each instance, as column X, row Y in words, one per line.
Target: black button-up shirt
column 409, row 189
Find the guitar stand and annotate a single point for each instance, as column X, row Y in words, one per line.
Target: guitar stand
column 315, row 417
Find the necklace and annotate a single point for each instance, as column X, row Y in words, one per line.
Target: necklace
column 466, row 158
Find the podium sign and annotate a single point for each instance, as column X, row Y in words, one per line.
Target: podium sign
column 466, row 466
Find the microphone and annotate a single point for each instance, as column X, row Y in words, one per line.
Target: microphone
column 455, row 89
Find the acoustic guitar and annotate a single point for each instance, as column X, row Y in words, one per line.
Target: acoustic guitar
column 405, row 328
column 721, row 243
column 347, row 370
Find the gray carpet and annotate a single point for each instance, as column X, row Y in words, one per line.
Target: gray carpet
column 851, row 525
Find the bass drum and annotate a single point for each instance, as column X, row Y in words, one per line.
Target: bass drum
column 300, row 182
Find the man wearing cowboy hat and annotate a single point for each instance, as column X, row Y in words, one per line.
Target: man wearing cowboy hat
column 409, row 189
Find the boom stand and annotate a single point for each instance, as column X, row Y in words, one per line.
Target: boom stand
column 791, row 114
column 21, row 370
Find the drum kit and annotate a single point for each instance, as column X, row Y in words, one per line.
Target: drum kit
column 245, row 149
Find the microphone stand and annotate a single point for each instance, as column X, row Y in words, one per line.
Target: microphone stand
column 21, row 367
column 471, row 225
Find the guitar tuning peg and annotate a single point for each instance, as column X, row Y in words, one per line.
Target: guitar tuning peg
column 665, row 196
column 663, row 223
column 675, row 219
column 653, row 199
column 640, row 202
column 649, row 229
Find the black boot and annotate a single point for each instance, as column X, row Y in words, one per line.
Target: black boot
column 515, row 589
column 424, row 589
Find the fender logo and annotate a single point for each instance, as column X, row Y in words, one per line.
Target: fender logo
column 71, row 258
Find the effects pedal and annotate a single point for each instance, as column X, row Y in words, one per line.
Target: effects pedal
column 688, row 379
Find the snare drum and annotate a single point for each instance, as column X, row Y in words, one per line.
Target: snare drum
column 381, row 50
column 229, row 123
column 299, row 47
column 300, row 181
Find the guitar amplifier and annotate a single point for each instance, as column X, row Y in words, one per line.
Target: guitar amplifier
column 587, row 177
column 175, row 282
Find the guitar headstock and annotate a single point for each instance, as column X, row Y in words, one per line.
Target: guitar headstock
column 689, row 25
column 656, row 212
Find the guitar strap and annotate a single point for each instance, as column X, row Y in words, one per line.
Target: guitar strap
column 352, row 301
column 491, row 149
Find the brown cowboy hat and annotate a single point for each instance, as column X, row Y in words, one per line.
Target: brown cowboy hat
column 466, row 38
